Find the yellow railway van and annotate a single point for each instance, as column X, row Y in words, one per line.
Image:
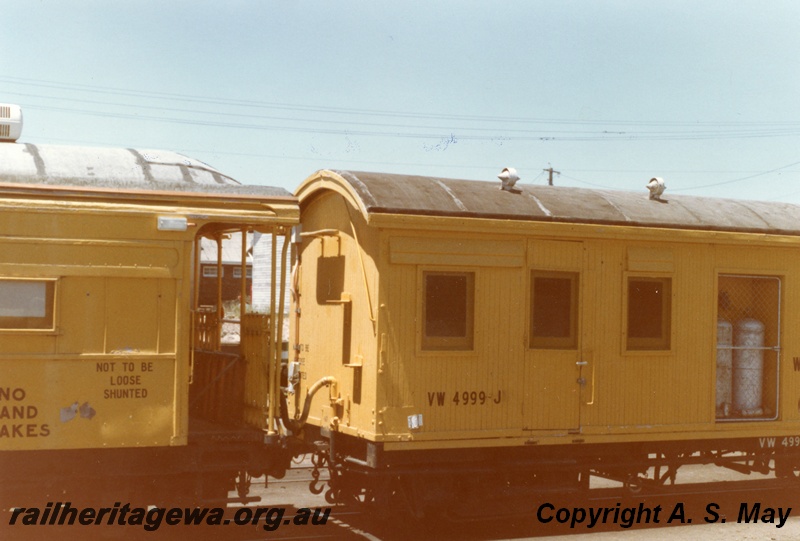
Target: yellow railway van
column 449, row 340
column 472, row 337
column 113, row 375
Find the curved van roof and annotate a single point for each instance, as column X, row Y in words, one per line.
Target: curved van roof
column 117, row 168
column 383, row 193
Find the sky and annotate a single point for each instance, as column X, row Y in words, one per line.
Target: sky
column 705, row 94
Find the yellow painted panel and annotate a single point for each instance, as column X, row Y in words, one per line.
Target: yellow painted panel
column 641, row 258
column 555, row 255
column 257, row 353
column 335, row 324
column 26, row 343
column 637, row 389
column 457, row 251
column 100, row 401
column 168, row 307
column 137, row 314
column 85, row 253
column 85, row 296
column 552, row 389
column 469, row 391
column 132, row 310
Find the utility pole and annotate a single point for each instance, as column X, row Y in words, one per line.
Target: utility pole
column 550, row 178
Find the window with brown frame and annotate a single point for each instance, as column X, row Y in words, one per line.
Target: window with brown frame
column 448, row 310
column 27, row 304
column 649, row 313
column 554, row 310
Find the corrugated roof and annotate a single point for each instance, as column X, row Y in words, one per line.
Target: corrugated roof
column 409, row 194
column 117, row 168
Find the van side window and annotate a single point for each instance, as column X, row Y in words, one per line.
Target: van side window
column 27, row 304
column 448, row 310
column 649, row 313
column 554, row 310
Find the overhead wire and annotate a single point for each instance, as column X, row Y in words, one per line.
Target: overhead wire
column 264, row 117
column 322, row 125
column 525, row 135
column 372, row 112
column 732, row 181
column 690, row 131
column 593, row 184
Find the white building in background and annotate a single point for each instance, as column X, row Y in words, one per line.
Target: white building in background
column 259, row 271
column 231, row 268
column 262, row 274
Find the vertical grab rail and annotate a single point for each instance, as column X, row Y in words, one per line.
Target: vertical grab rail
column 194, row 303
column 271, row 346
column 243, row 281
column 276, row 331
column 275, row 399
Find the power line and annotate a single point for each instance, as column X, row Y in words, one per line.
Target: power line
column 447, row 165
column 593, row 184
column 737, row 179
column 319, row 124
column 194, row 151
column 273, row 118
column 475, row 167
column 523, row 137
column 761, row 126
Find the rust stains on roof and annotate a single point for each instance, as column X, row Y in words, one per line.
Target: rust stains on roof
column 433, row 196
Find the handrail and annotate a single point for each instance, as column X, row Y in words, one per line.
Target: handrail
column 359, row 249
column 296, row 424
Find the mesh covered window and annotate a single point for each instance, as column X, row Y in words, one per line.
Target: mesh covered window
column 748, row 347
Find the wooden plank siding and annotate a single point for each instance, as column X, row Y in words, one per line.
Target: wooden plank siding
column 494, row 364
column 600, row 390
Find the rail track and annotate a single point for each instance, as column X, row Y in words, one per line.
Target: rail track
column 729, row 498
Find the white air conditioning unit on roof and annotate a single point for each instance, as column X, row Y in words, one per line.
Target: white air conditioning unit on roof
column 10, row 122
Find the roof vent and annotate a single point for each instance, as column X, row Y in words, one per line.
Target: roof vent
column 656, row 187
column 10, row 122
column 508, row 177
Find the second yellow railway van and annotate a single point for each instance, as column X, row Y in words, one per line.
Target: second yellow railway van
column 112, row 374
